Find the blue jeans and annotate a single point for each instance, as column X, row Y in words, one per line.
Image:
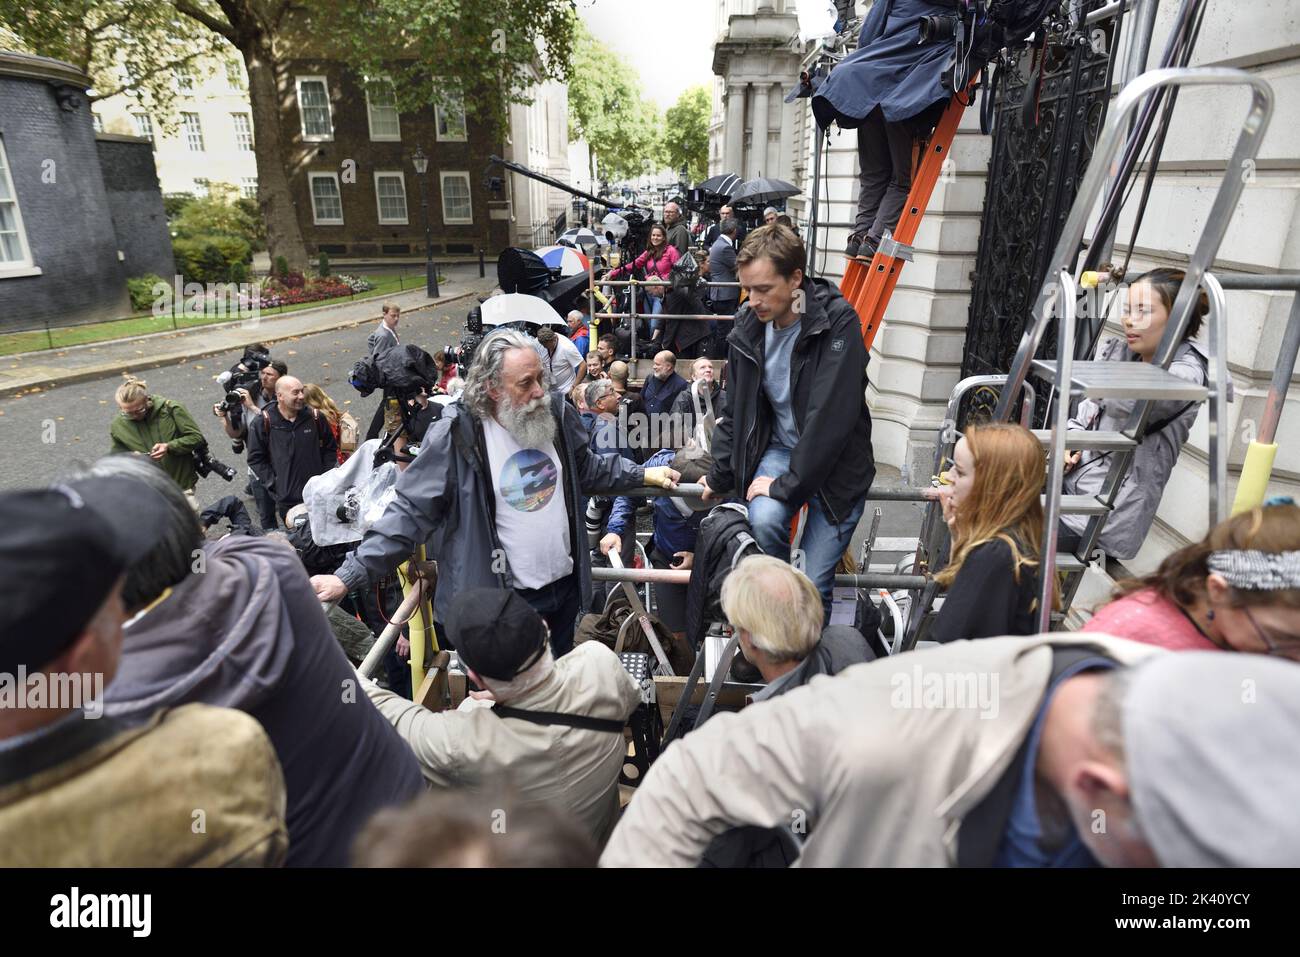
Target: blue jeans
column 656, row 304
column 823, row 542
column 557, row 603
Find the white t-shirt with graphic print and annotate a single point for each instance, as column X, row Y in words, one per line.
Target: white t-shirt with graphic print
column 532, row 520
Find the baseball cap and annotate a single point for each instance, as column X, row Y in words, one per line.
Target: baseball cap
column 496, row 632
column 62, row 550
column 1209, row 744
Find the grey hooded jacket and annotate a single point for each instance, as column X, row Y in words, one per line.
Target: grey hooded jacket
column 1153, row 462
column 446, row 501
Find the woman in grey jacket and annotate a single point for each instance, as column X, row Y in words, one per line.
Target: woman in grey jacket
column 1146, row 311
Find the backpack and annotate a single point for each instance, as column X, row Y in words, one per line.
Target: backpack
column 606, row 626
column 725, row 538
column 363, row 377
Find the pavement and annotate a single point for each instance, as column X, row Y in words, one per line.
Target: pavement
column 36, row 371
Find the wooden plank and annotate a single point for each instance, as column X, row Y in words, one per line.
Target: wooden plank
column 669, row 688
column 433, row 693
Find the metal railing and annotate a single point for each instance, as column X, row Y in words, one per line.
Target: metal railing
column 634, row 314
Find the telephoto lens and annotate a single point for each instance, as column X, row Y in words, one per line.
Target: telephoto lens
column 937, row 28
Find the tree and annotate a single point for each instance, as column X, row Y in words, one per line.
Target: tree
column 491, row 50
column 624, row 130
column 686, row 133
column 133, row 46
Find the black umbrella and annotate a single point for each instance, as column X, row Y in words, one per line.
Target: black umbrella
column 722, row 185
column 756, row 192
column 522, row 270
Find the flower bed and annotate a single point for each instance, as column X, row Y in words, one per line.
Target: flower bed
column 294, row 289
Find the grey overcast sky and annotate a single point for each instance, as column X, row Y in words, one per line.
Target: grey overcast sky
column 668, row 42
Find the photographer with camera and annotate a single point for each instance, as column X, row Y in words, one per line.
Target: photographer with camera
column 161, row 429
column 250, row 387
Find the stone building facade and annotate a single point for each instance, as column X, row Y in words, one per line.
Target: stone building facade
column 917, row 356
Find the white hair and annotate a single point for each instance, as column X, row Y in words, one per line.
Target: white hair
column 485, row 371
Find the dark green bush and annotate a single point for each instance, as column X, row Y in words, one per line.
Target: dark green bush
column 281, row 267
column 323, row 264
column 141, row 290
column 208, row 259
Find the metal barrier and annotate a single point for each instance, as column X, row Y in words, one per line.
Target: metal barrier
column 634, row 314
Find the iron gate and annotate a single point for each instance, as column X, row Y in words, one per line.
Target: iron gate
column 1034, row 173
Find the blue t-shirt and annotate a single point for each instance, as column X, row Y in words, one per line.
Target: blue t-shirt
column 779, row 345
column 1020, row 841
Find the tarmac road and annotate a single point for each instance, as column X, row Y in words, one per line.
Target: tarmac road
column 45, row 432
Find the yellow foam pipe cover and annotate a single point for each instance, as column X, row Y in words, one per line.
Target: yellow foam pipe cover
column 1255, row 473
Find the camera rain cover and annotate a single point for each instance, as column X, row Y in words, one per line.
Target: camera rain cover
column 357, row 487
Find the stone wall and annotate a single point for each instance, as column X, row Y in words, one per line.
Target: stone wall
column 135, row 201
column 49, row 140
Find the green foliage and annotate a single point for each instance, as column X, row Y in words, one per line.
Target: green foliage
column 606, row 109
column 253, row 213
column 239, row 272
column 141, row 290
column 686, row 133
column 492, row 50
column 173, row 203
column 323, row 264
column 206, row 259
column 125, row 45
column 280, row 267
column 201, row 217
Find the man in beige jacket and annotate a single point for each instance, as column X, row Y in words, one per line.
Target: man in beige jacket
column 551, row 729
column 1053, row 750
column 190, row 786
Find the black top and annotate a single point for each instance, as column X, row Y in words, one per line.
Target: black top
column 985, row 601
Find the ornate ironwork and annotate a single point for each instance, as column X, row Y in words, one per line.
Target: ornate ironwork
column 1034, row 174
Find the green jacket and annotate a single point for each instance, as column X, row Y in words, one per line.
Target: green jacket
column 169, row 422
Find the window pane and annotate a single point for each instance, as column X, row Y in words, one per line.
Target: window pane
column 243, row 131
column 315, row 105
column 455, row 198
column 193, row 131
column 10, row 248
column 392, row 198
column 325, row 198
column 250, row 187
column 451, row 119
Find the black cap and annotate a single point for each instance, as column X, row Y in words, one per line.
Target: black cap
column 62, row 550
column 496, row 632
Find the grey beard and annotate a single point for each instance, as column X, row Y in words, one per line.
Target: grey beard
column 531, row 424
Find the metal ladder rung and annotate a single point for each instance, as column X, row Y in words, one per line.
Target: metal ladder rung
column 1083, row 439
column 1124, row 380
column 1069, row 562
column 1079, row 505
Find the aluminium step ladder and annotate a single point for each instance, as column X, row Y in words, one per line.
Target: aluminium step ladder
column 1146, row 382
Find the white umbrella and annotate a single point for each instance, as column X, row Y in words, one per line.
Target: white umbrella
column 519, row 307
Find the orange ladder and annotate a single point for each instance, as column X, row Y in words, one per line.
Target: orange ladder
column 868, row 286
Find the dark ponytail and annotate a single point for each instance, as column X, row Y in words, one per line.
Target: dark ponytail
column 1166, row 282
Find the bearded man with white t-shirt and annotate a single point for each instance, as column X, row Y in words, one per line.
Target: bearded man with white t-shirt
column 496, row 494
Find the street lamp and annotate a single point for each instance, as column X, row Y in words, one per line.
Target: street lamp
column 421, row 164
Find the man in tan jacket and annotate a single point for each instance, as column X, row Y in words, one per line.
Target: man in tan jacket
column 552, row 729
column 1054, row 750
column 193, row 786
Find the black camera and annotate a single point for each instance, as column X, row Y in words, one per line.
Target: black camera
column 937, row 27
column 206, row 465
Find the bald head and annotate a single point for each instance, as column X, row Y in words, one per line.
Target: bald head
column 672, row 213
column 665, row 364
column 618, row 374
column 289, row 396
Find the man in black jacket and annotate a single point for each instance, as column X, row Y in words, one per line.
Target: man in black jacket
column 795, row 429
column 288, row 444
